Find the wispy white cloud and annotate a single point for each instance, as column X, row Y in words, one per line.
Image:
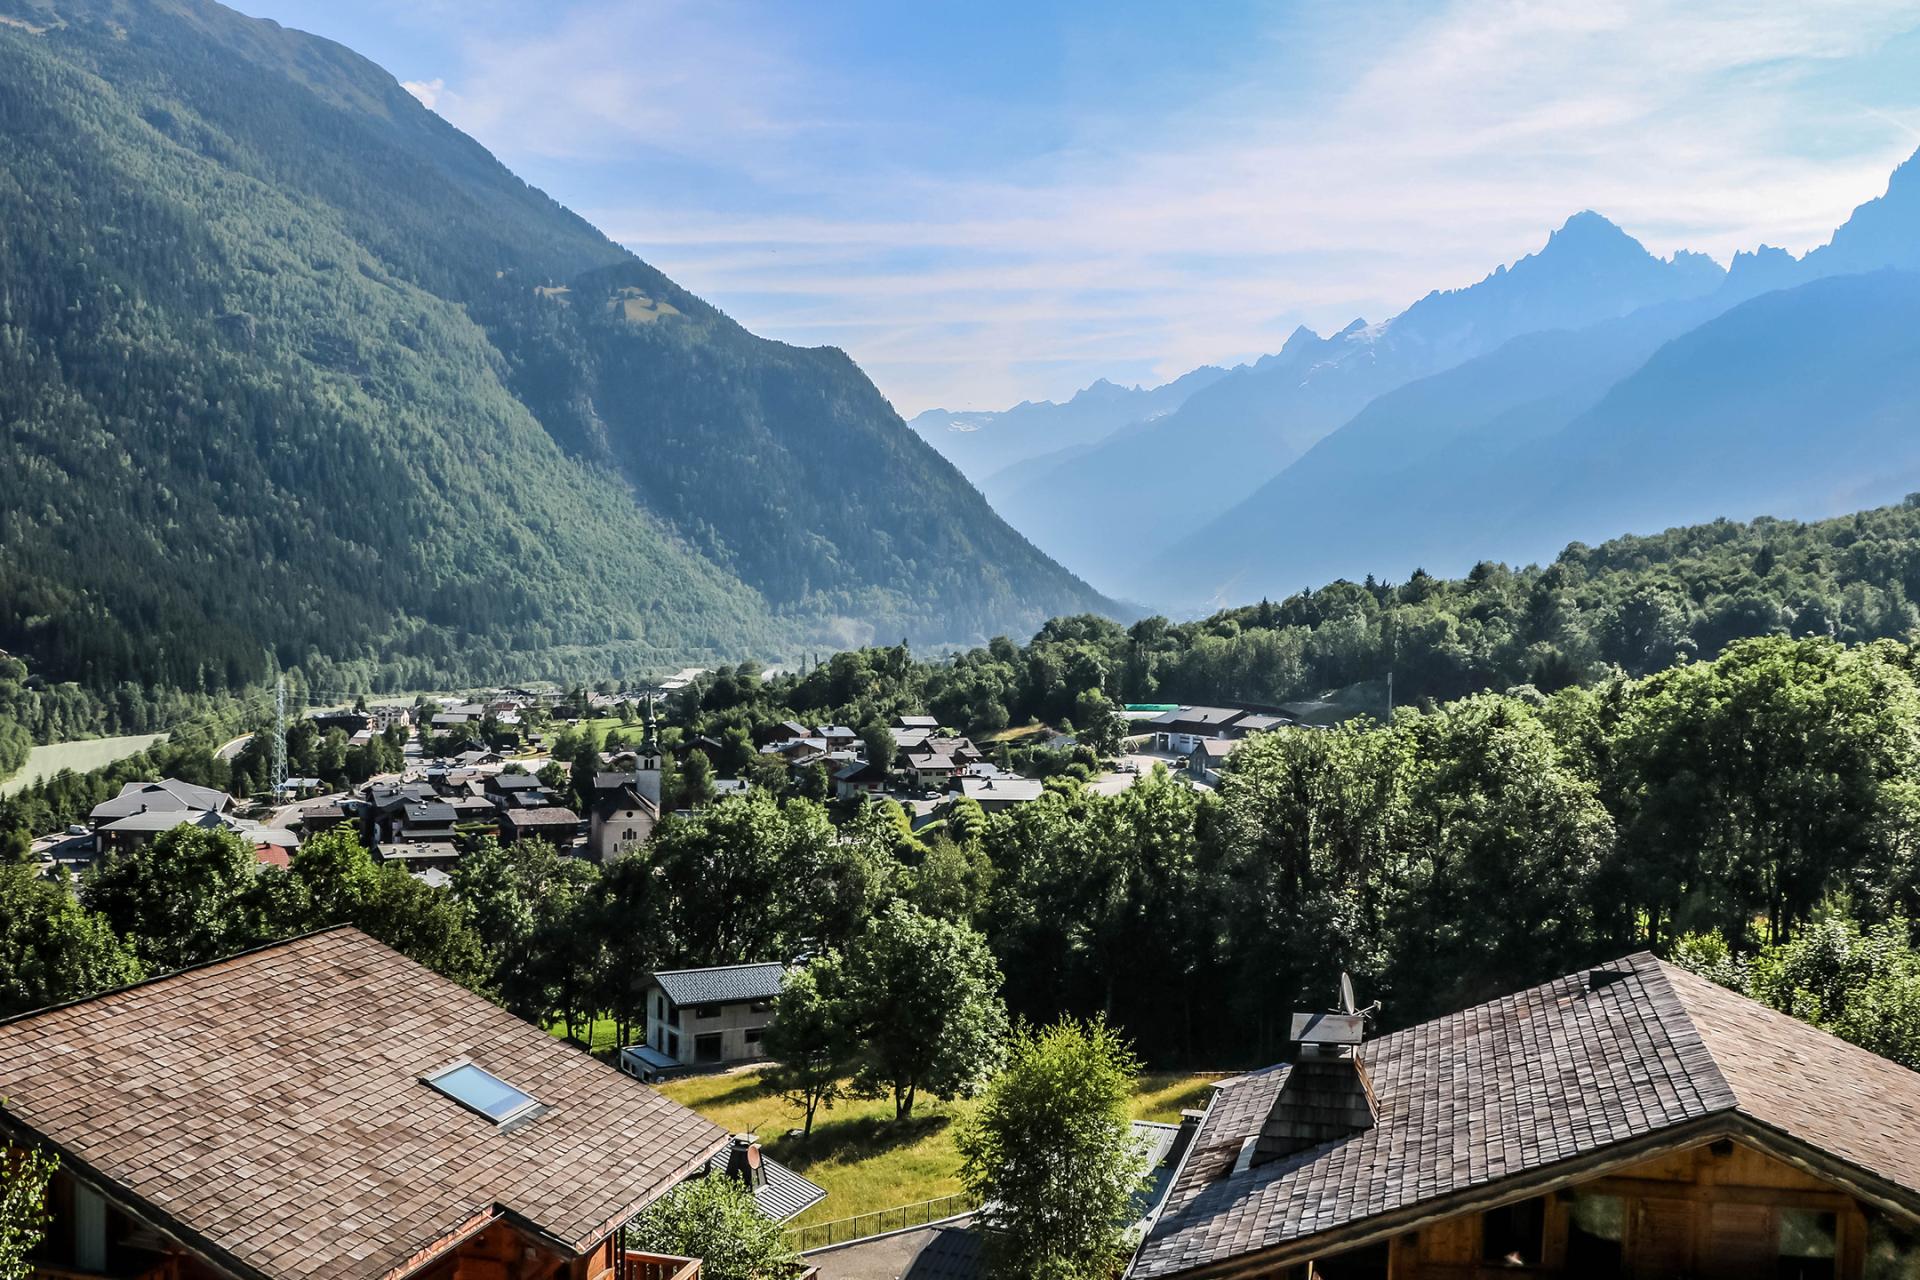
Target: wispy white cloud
column 427, row 91
column 1145, row 237
column 695, row 79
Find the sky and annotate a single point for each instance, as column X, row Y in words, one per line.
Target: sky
column 992, row 202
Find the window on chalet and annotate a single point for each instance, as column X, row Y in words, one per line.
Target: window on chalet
column 1807, row 1244
column 707, row 1011
column 1512, row 1235
column 761, row 1006
column 482, row 1091
column 1596, row 1235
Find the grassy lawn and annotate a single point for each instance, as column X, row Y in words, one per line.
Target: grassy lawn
column 88, row 753
column 1019, row 733
column 598, row 727
column 602, row 1040
column 863, row 1157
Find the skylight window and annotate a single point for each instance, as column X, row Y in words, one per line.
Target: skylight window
column 482, row 1091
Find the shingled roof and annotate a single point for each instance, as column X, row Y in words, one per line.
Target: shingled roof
column 1595, row 1066
column 269, row 1110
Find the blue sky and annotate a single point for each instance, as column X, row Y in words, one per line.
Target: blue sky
column 989, row 202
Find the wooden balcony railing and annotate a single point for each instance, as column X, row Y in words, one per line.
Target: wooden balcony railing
column 657, row 1266
column 660, row 1266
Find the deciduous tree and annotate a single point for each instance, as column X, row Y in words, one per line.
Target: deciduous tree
column 24, row 1177
column 1053, row 1156
column 925, row 1001
column 715, row 1220
column 51, row 948
column 811, row 1038
column 181, row 900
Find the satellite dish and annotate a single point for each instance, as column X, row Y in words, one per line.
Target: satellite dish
column 1346, row 993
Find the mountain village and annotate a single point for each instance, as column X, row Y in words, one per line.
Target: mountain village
column 1433, row 796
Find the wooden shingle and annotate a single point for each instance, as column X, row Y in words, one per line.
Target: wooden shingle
column 271, row 1108
column 1537, row 1081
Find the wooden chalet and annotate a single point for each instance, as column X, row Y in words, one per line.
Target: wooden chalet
column 326, row 1109
column 557, row 826
column 1631, row 1120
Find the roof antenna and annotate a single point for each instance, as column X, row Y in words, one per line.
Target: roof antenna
column 1347, row 1003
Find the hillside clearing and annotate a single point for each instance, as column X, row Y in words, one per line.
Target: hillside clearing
column 87, row 753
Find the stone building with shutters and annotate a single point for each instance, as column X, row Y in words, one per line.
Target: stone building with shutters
column 326, row 1109
column 1629, row 1120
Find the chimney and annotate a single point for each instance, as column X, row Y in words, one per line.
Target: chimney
column 1601, row 979
column 743, row 1161
column 1327, row 1095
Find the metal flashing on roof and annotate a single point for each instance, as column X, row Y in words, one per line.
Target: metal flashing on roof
column 782, row 1194
column 1329, row 1028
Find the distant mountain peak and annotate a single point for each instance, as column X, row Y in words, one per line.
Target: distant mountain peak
column 1586, row 237
column 1883, row 232
column 1588, row 223
column 1101, row 389
column 1761, row 270
column 1906, row 174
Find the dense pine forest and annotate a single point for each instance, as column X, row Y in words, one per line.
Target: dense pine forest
column 34, row 711
column 1632, row 607
column 296, row 374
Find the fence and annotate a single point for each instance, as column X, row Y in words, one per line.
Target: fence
column 880, row 1221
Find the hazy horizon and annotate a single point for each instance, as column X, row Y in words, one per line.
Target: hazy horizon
column 1009, row 204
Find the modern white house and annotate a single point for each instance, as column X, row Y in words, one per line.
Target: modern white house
column 705, row 1017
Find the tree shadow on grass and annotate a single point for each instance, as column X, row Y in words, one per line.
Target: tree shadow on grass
column 854, row 1140
column 749, row 1088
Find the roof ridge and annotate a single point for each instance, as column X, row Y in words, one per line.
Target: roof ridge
column 1667, row 970
column 1695, row 1054
column 242, row 954
column 1633, row 961
column 712, row 968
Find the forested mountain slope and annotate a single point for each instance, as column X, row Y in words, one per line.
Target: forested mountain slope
column 1230, row 437
column 293, row 370
column 1636, row 604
